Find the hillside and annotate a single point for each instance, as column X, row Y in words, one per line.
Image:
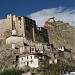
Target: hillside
column 62, row 34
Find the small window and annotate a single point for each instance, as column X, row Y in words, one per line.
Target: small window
column 48, row 47
column 27, row 63
column 25, row 47
column 31, row 57
column 22, row 58
column 27, row 57
column 31, row 62
column 20, row 26
column 19, row 18
column 32, row 49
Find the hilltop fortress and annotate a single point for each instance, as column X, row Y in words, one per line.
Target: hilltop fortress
column 30, row 42
column 25, row 44
column 24, row 27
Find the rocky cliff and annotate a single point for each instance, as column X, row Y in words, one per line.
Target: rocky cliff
column 62, row 34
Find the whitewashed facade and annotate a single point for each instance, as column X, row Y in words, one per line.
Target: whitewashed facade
column 14, row 39
column 29, row 60
column 61, row 48
column 53, row 61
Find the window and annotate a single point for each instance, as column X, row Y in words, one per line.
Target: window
column 25, row 47
column 27, row 57
column 48, row 47
column 20, row 26
column 27, row 63
column 31, row 62
column 19, row 18
column 32, row 49
column 22, row 58
column 36, row 56
column 31, row 57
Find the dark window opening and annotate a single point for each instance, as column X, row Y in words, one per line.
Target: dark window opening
column 31, row 57
column 27, row 57
column 22, row 58
column 20, row 26
column 17, row 58
column 27, row 63
column 19, row 18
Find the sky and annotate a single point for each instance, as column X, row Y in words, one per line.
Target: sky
column 40, row 10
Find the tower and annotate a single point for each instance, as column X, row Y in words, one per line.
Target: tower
column 9, row 21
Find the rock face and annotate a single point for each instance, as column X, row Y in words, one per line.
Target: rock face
column 7, row 57
column 62, row 34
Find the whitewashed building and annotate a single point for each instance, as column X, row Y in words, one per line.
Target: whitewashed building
column 61, row 48
column 64, row 53
column 39, row 46
column 29, row 60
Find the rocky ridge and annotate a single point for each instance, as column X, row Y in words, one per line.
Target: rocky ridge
column 61, row 35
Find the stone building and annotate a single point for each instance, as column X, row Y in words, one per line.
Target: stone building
column 30, row 40
column 24, row 27
column 30, row 60
column 64, row 53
